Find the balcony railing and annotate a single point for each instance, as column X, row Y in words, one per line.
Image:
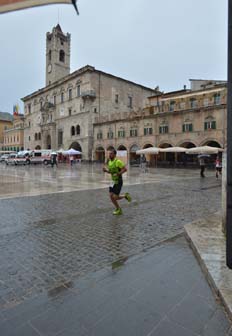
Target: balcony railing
column 89, row 94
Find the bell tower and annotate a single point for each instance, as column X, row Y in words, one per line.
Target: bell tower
column 57, row 55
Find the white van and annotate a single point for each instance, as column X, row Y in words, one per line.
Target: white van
column 41, row 156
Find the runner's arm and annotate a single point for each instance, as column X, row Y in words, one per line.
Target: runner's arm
column 105, row 170
column 122, row 171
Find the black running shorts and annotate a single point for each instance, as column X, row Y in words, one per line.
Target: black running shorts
column 116, row 189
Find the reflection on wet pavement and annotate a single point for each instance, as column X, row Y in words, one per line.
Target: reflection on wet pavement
column 67, row 229
column 40, row 180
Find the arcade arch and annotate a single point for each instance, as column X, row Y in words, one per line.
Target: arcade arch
column 100, row 154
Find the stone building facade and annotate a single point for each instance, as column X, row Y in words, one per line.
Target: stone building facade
column 185, row 118
column 61, row 115
column 14, row 135
column 6, row 121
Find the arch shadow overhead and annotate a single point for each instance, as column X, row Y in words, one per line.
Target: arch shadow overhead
column 122, row 147
column 134, row 148
column 187, row 144
column 110, row 147
column 75, row 145
column 211, row 143
column 147, row 146
column 165, row 145
column 38, row 147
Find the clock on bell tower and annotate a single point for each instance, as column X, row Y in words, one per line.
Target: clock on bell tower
column 57, row 55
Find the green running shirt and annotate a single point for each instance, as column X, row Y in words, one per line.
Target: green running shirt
column 115, row 167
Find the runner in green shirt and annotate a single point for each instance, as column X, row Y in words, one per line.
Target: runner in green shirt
column 116, row 168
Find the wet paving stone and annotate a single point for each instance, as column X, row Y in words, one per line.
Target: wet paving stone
column 46, row 241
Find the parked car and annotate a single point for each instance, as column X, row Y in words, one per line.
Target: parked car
column 4, row 157
column 22, row 158
column 10, row 160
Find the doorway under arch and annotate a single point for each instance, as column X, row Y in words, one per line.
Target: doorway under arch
column 75, row 145
column 150, row 158
column 186, row 159
column 165, row 159
column 100, row 154
column 133, row 157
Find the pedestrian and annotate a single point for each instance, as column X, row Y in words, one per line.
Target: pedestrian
column 143, row 164
column 54, row 159
column 71, row 160
column 116, row 168
column 218, row 166
column 202, row 165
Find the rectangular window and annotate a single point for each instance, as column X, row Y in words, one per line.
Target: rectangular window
column 29, row 108
column 69, row 111
column 193, row 103
column 54, row 100
column 210, row 125
column 206, row 102
column 163, row 129
column 116, row 98
column 182, row 105
column 121, row 134
column 172, row 106
column 62, row 97
column 133, row 132
column 60, row 137
column 217, row 99
column 110, row 135
column 99, row 135
column 78, row 90
column 129, row 101
column 70, row 94
column 187, row 127
column 148, row 131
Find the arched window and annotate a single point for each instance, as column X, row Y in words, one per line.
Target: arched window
column 62, row 56
column 39, row 136
column 78, row 130
column 36, row 137
column 72, row 130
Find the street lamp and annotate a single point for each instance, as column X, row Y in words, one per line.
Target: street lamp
column 229, row 145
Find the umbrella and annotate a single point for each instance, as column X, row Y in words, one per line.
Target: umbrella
column 72, row 151
column 149, row 150
column 13, row 5
column 204, row 150
column 173, row 150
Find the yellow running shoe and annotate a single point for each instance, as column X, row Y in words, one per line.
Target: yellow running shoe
column 128, row 197
column 117, row 212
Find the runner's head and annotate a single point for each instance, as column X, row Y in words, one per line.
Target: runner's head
column 112, row 154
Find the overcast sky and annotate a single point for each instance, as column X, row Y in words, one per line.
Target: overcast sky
column 151, row 42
